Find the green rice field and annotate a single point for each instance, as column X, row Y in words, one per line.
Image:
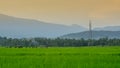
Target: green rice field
column 60, row 57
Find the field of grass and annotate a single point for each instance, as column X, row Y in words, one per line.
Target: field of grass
column 82, row 57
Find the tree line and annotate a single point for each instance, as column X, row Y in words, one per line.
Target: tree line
column 57, row 42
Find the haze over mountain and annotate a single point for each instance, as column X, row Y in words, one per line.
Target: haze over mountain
column 96, row 35
column 108, row 28
column 18, row 28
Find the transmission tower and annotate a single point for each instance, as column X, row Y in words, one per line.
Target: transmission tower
column 90, row 34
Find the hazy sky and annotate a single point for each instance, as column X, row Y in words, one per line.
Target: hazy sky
column 101, row 12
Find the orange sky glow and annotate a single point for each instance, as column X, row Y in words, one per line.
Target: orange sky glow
column 101, row 12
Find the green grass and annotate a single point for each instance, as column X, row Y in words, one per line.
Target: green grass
column 82, row 57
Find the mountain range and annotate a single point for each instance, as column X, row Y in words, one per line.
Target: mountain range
column 108, row 28
column 15, row 27
column 95, row 35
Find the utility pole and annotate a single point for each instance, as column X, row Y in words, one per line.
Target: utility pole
column 90, row 43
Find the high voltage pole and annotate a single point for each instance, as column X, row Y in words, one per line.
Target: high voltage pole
column 90, row 43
